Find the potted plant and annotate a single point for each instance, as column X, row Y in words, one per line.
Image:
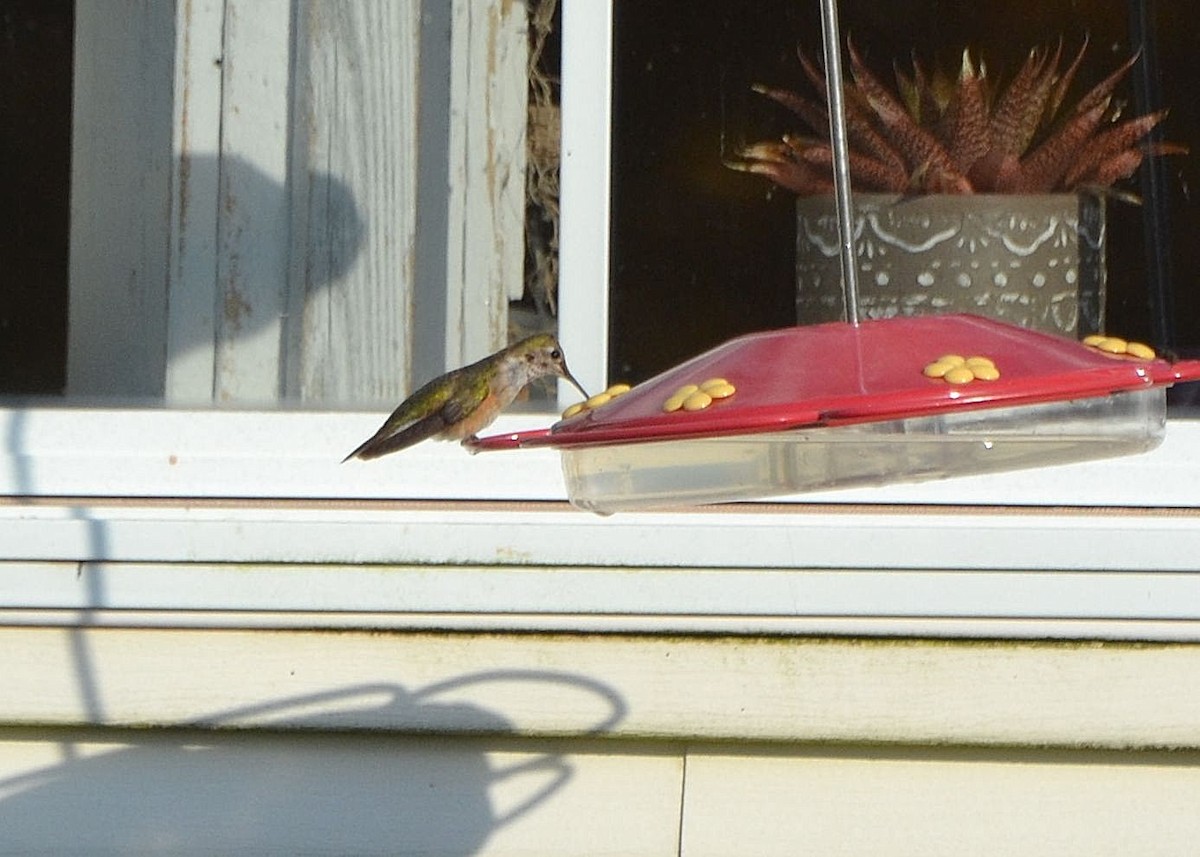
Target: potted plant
column 968, row 197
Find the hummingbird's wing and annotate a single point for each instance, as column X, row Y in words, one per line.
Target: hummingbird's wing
column 426, row 413
column 381, row 443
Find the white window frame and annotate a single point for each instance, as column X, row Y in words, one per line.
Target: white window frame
column 210, row 517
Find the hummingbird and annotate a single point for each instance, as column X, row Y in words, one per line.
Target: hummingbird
column 464, row 401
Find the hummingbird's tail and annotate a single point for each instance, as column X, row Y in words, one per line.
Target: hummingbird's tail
column 388, row 440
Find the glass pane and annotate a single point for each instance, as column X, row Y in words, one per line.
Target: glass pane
column 706, row 252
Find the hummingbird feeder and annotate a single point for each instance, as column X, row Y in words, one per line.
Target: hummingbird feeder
column 838, row 405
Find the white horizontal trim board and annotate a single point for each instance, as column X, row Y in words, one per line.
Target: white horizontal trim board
column 743, row 537
column 106, row 452
column 910, row 692
column 564, row 594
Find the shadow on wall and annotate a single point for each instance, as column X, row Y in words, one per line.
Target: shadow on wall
column 276, row 248
column 205, row 792
column 228, row 295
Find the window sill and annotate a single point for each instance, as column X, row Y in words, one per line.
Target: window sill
column 158, row 453
column 220, row 519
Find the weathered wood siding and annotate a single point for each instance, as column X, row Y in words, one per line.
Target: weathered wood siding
column 246, row 197
column 120, row 197
column 253, row 203
column 354, row 168
column 486, row 251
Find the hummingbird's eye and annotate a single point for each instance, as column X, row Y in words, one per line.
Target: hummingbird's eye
column 555, row 354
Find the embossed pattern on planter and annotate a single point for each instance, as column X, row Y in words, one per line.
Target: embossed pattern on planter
column 1037, row 261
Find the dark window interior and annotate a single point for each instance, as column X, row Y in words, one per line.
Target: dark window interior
column 701, row 253
column 35, row 169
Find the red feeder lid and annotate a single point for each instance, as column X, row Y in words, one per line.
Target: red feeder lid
column 836, row 373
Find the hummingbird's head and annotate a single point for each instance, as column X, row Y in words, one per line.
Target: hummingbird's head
column 541, row 355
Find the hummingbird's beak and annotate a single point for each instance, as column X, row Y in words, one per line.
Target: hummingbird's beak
column 567, row 376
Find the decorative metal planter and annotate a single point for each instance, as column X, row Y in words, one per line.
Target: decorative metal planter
column 1036, row 261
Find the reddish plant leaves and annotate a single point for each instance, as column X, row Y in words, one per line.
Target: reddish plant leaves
column 935, row 135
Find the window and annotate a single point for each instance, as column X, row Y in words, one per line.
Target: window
column 134, row 491
column 687, row 228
